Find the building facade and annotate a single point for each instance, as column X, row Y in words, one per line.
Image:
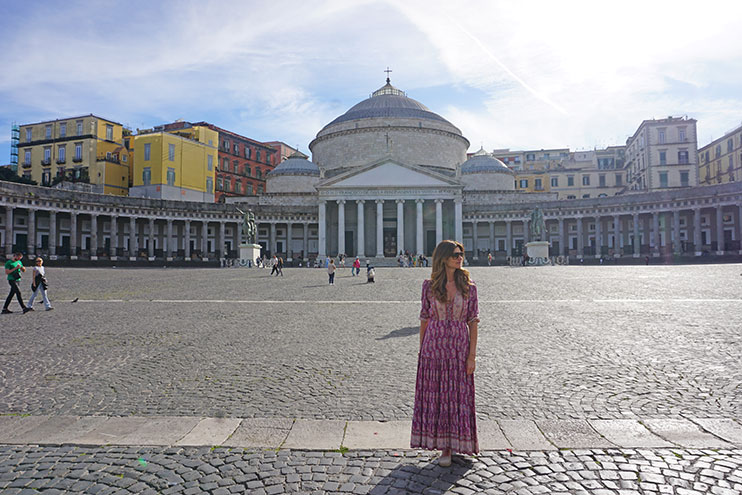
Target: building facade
column 84, row 148
column 721, row 159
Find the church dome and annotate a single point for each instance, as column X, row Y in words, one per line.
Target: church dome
column 388, row 125
column 295, row 165
column 483, row 162
column 388, row 102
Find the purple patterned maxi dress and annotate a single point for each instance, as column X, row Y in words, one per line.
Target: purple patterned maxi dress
column 444, row 416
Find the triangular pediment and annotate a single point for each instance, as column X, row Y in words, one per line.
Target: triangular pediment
column 390, row 174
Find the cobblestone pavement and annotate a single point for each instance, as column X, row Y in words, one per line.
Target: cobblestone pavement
column 221, row 471
column 555, row 343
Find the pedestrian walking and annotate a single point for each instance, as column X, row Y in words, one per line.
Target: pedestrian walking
column 39, row 284
column 274, row 265
column 13, row 269
column 356, row 266
column 331, row 271
column 370, row 274
column 279, row 264
column 444, row 416
column 489, row 258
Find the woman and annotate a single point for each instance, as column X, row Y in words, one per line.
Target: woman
column 39, row 284
column 444, row 415
column 331, row 271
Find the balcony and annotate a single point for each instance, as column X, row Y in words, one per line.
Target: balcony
column 46, row 162
column 26, row 164
column 108, row 158
column 61, row 161
column 77, row 159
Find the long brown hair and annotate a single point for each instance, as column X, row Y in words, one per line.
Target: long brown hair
column 441, row 253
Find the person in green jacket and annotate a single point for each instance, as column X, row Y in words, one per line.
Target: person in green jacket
column 13, row 269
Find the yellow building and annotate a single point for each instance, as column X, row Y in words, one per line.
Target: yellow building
column 720, row 161
column 82, row 149
column 178, row 165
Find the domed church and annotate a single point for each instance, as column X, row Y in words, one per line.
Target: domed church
column 387, row 176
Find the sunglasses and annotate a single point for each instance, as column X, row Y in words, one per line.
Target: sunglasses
column 457, row 255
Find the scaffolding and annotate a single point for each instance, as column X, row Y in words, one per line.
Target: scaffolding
column 15, row 138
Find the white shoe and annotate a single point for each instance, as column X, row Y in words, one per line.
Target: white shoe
column 445, row 460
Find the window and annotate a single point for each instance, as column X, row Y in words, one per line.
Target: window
column 585, row 180
column 555, row 182
column 46, row 177
column 78, row 151
column 27, row 157
column 570, row 180
column 79, row 127
column 171, row 152
column 147, row 151
column 681, row 134
column 530, row 157
column 663, row 179
column 124, row 158
column 523, row 183
column 257, row 155
column 247, row 170
column 48, row 131
column 538, row 185
column 619, row 179
column 601, row 180
column 236, row 149
column 683, row 157
column 219, row 184
column 29, row 134
column 248, row 152
column 707, row 156
column 661, row 136
column 210, row 162
column 170, row 176
column 63, row 129
column 663, row 157
column 731, row 163
column 238, row 187
column 258, row 173
column 260, row 189
column 109, row 132
column 235, row 166
column 146, row 176
column 249, row 189
column 684, row 182
column 47, row 155
column 225, row 164
column 718, row 150
column 571, row 196
column 730, row 145
column 209, row 185
column 585, row 196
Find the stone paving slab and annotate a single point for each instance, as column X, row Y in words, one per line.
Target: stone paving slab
column 111, row 431
column 210, row 431
column 684, row 433
column 160, row 431
column 252, row 432
column 724, row 428
column 491, row 436
column 377, row 435
column 14, row 427
column 628, row 433
column 320, row 435
column 524, row 435
column 57, row 430
column 572, row 434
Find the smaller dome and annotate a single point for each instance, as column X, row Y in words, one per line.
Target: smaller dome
column 295, row 165
column 482, row 162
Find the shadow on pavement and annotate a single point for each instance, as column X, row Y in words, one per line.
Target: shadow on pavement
column 426, row 478
column 402, row 332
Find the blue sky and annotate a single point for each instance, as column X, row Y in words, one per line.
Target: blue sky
column 516, row 75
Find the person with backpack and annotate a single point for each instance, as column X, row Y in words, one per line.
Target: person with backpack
column 39, row 284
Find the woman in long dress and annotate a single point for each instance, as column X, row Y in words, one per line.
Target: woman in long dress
column 444, row 414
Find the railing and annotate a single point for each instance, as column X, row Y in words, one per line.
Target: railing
column 77, row 159
column 111, row 159
column 46, row 161
column 61, row 161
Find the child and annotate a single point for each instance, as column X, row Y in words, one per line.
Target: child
column 370, row 274
column 39, row 283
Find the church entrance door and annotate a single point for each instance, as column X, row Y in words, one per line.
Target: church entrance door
column 390, row 243
column 350, row 246
column 429, row 242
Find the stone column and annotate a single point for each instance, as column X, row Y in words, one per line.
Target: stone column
column 379, row 228
column 321, row 231
column 151, row 236
column 272, row 240
column 289, row 251
column 598, row 240
column 617, row 234
column 222, row 240
column 305, row 248
column 508, row 237
column 73, row 235
column 187, row 247
column 53, row 233
column 8, row 232
column 697, row 231
column 526, row 233
column 361, row 251
column 438, row 221
column 94, row 236
column 656, row 234
column 204, row 240
column 170, row 251
column 580, row 238
column 493, row 248
column 475, row 239
column 419, row 226
column 400, row 226
column 31, row 236
column 132, row 238
column 341, row 226
column 719, row 230
column 562, row 238
column 677, row 249
column 459, row 221
column 637, row 239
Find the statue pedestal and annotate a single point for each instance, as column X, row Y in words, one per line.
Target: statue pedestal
column 249, row 252
column 538, row 253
